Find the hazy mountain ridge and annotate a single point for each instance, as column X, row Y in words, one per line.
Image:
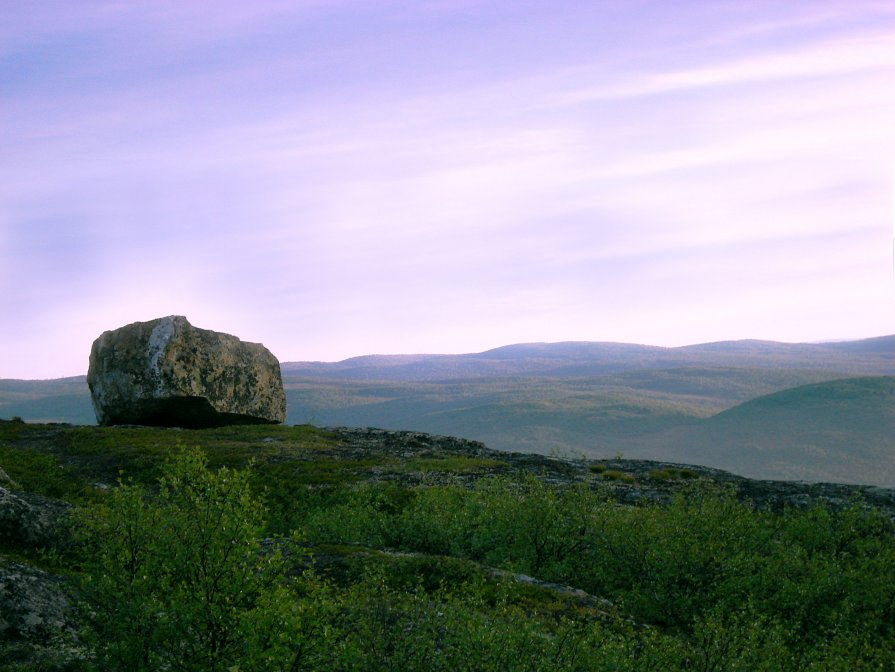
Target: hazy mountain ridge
column 874, row 356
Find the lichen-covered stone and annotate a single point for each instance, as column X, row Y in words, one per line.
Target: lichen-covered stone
column 16, row 518
column 36, row 620
column 167, row 372
column 28, row 520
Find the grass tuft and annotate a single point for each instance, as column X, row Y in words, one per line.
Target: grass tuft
column 613, row 475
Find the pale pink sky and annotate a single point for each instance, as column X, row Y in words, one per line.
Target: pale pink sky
column 336, row 178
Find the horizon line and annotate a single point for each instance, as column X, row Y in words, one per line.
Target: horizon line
column 524, row 343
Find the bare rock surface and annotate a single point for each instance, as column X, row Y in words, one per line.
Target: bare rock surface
column 20, row 523
column 29, row 520
column 37, row 626
column 167, row 372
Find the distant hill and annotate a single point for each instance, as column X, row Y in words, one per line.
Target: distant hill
column 598, row 399
column 597, row 415
column 56, row 400
column 837, row 431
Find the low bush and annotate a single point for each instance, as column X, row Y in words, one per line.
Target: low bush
column 613, row 475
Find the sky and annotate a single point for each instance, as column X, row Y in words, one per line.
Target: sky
column 335, row 178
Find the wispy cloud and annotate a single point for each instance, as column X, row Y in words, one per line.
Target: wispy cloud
column 874, row 51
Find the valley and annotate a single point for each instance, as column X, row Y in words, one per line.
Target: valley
column 704, row 404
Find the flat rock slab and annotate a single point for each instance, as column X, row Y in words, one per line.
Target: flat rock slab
column 166, row 372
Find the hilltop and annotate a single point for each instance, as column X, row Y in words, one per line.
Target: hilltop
column 873, row 356
column 418, row 550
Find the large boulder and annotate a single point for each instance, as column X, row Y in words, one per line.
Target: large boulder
column 167, row 372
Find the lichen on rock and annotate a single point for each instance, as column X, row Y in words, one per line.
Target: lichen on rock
column 28, row 520
column 36, row 621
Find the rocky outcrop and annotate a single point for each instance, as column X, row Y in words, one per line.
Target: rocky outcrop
column 28, row 520
column 20, row 524
column 167, row 372
column 37, row 628
column 626, row 481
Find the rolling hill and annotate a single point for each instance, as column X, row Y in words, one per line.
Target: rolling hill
column 837, row 431
column 56, row 400
column 874, row 356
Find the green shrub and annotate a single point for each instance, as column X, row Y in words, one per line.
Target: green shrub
column 181, row 581
column 732, row 587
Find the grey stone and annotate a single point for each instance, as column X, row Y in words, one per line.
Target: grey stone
column 22, row 523
column 33, row 606
column 167, row 372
